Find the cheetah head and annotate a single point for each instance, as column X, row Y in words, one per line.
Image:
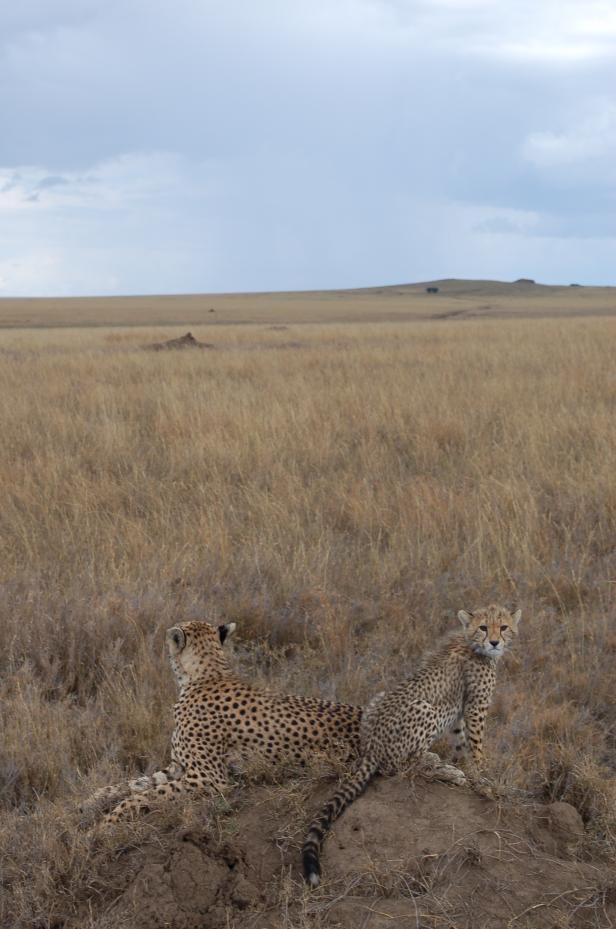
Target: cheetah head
column 195, row 650
column 490, row 630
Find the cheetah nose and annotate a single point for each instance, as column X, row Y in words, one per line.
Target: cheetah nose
column 494, row 644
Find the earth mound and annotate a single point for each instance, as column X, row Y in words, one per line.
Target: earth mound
column 183, row 342
column 406, row 854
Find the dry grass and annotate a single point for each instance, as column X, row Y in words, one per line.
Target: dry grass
column 339, row 492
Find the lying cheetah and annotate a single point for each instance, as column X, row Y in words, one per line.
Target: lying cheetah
column 450, row 692
column 219, row 718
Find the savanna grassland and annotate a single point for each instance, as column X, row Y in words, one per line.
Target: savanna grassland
column 339, row 491
column 394, row 303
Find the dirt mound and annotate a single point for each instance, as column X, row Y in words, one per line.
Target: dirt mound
column 183, row 342
column 407, row 854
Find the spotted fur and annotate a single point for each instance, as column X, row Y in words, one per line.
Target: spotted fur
column 450, row 692
column 219, row 719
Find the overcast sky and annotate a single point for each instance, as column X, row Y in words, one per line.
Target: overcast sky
column 152, row 146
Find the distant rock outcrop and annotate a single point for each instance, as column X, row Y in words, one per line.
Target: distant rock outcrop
column 431, row 290
column 524, row 280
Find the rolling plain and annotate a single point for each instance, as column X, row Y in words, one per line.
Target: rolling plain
column 338, row 474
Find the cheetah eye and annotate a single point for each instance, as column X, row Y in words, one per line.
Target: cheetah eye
column 484, row 628
column 504, row 628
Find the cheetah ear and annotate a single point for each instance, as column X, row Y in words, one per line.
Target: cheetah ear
column 224, row 632
column 465, row 618
column 176, row 640
column 515, row 618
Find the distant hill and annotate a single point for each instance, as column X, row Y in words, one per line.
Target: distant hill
column 450, row 298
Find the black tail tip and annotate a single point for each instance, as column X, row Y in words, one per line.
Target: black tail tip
column 312, row 869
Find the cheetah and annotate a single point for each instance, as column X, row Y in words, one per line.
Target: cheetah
column 219, row 718
column 450, row 692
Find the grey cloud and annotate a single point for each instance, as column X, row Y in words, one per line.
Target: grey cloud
column 11, row 184
column 320, row 143
column 499, row 225
column 51, row 180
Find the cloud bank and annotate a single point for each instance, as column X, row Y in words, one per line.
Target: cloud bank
column 200, row 146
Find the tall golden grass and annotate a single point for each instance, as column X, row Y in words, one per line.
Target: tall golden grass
column 340, row 492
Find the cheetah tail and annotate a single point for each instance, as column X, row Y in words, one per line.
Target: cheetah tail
column 348, row 791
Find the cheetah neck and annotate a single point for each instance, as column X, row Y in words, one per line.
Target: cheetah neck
column 190, row 673
column 457, row 647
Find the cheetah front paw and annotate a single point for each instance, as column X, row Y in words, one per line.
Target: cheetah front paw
column 140, row 783
column 450, row 774
column 434, row 769
column 487, row 788
column 100, row 801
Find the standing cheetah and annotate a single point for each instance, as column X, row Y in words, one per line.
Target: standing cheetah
column 450, row 692
column 219, row 718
